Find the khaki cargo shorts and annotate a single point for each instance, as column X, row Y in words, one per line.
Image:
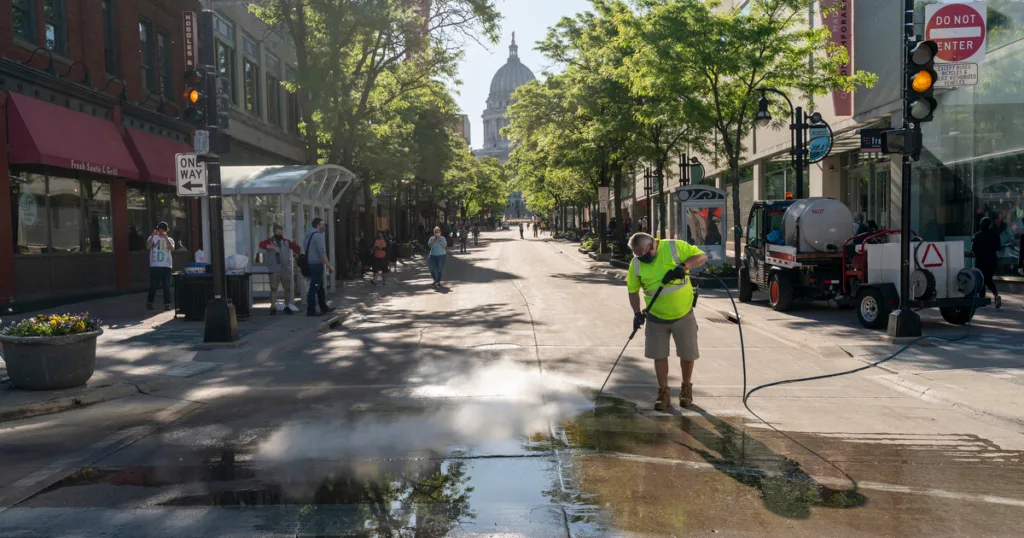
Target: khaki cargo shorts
column 682, row 330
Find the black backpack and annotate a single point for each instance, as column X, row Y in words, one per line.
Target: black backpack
column 301, row 261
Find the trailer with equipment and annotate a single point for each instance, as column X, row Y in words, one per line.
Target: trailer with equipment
column 806, row 250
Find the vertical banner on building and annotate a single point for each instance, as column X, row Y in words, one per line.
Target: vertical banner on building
column 837, row 16
column 189, row 21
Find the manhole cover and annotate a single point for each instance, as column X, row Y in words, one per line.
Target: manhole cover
column 498, row 347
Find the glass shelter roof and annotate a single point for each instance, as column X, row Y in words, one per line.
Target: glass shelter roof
column 324, row 183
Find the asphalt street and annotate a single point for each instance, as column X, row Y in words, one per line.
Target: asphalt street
column 467, row 411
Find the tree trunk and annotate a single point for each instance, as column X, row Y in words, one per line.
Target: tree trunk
column 737, row 234
column 620, row 228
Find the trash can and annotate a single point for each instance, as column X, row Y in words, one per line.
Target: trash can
column 193, row 288
column 238, row 293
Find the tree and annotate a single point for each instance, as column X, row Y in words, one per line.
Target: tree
column 714, row 60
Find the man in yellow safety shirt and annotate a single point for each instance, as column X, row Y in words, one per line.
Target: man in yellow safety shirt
column 666, row 262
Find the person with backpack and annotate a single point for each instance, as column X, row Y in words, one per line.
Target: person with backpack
column 317, row 263
column 160, row 261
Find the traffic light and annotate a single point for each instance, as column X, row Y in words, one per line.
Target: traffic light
column 195, row 98
column 921, row 79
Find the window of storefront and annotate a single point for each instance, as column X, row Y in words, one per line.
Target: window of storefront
column 865, row 185
column 273, row 90
column 163, row 45
column 780, row 178
column 109, row 37
column 226, row 62
column 139, row 224
column 251, row 75
column 24, row 17
column 56, row 28
column 165, row 206
column 146, row 52
column 53, row 214
column 973, row 164
column 99, row 228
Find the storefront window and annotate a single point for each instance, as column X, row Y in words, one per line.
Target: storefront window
column 99, row 228
column 64, row 207
column 139, row 225
column 166, row 207
column 28, row 214
column 780, row 179
column 865, row 185
column 973, row 163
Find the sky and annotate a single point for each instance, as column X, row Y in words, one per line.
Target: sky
column 530, row 20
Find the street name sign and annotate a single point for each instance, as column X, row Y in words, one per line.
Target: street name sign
column 954, row 75
column 190, row 175
column 958, row 29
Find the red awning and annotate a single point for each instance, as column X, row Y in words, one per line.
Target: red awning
column 44, row 133
column 154, row 155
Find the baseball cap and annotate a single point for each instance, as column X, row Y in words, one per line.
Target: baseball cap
column 162, row 226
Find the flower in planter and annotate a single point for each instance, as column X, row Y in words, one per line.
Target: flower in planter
column 53, row 325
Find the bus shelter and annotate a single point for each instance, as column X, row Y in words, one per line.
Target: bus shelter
column 703, row 218
column 258, row 197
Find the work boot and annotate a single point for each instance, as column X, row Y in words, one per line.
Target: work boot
column 686, row 395
column 999, row 301
column 664, row 397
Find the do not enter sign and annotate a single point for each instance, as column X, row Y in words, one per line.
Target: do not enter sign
column 958, row 30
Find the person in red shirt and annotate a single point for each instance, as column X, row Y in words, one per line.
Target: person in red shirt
column 280, row 254
column 380, row 259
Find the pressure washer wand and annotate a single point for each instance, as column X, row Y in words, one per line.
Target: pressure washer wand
column 635, row 330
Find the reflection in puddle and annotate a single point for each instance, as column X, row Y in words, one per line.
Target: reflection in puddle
column 608, row 472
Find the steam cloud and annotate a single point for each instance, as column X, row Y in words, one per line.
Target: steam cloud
column 496, row 402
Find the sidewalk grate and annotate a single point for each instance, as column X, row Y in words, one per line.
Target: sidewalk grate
column 719, row 321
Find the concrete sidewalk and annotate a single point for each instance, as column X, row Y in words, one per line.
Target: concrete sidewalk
column 983, row 373
column 145, row 351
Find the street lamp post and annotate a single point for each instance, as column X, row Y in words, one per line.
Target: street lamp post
column 686, row 166
column 798, row 129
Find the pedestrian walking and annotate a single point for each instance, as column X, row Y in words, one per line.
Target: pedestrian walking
column 438, row 246
column 380, row 260
column 463, row 239
column 536, row 229
column 160, row 262
column 392, row 251
column 476, row 234
column 986, row 247
column 280, row 253
column 316, row 257
column 665, row 263
column 521, row 231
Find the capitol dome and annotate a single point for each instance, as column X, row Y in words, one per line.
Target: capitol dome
column 510, row 76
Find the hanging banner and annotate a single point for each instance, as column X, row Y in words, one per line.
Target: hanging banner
column 839, row 21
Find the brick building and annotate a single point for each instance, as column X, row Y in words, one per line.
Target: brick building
column 90, row 93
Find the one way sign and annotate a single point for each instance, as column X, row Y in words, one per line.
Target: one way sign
column 190, row 174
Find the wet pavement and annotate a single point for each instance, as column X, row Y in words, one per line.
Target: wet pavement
column 475, row 419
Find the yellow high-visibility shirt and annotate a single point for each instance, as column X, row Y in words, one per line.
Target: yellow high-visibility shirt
column 676, row 298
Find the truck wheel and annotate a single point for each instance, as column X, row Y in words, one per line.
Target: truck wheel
column 957, row 315
column 746, row 286
column 780, row 292
column 872, row 310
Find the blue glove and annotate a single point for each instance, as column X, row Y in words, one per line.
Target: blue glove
column 675, row 274
column 638, row 320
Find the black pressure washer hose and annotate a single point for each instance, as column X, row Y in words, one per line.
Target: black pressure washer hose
column 743, row 353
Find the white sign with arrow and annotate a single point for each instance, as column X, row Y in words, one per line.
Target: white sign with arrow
column 190, row 175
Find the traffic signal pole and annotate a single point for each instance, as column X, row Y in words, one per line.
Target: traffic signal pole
column 221, row 322
column 905, row 322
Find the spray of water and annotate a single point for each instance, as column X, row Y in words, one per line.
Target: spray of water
column 496, row 402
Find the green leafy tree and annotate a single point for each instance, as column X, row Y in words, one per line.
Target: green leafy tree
column 714, row 59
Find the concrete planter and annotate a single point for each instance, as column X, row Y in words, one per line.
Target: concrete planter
column 50, row 363
column 619, row 263
column 607, row 256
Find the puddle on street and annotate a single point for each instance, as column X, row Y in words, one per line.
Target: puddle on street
column 610, row 472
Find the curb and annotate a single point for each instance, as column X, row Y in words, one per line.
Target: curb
column 89, row 397
column 931, row 395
